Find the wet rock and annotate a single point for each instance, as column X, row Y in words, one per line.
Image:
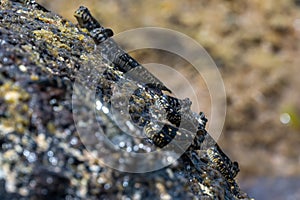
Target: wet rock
column 41, row 155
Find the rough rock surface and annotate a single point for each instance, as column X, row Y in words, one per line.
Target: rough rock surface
column 41, row 156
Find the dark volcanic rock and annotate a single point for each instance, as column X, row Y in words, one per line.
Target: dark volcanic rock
column 41, row 156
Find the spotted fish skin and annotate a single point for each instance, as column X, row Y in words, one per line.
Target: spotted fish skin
column 112, row 52
column 85, row 19
column 225, row 166
column 150, row 94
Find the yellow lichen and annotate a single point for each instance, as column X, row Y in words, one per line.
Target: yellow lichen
column 47, row 20
column 50, row 38
column 44, row 34
column 51, row 127
column 34, row 77
column 61, row 45
column 17, row 112
column 80, row 37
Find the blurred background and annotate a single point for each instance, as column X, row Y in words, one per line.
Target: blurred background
column 256, row 47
